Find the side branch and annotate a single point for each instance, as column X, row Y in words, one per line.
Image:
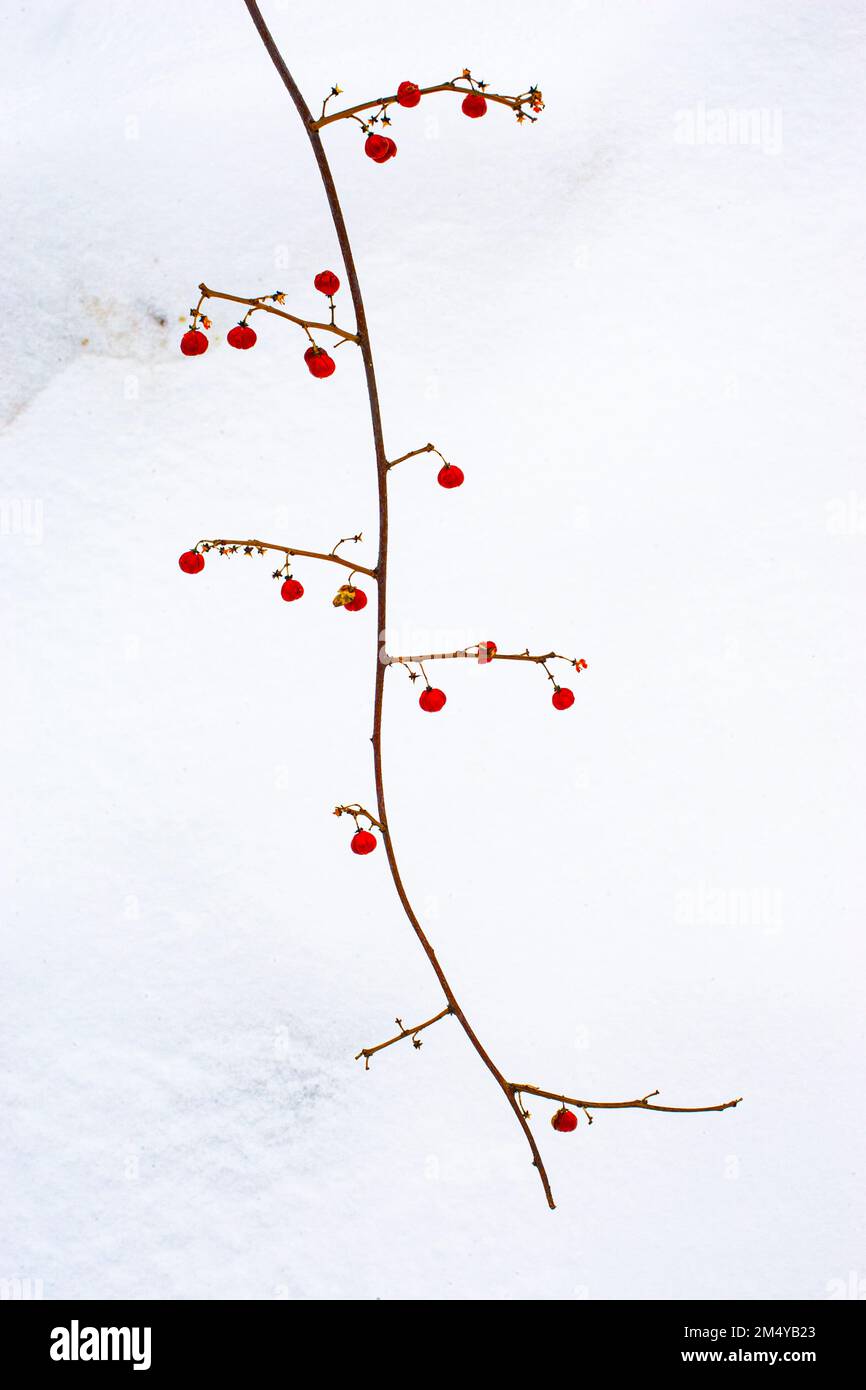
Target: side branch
column 413, row 453
column 368, row 1052
column 230, row 546
column 643, row 1103
column 530, row 98
column 355, row 809
column 259, row 303
column 472, row 652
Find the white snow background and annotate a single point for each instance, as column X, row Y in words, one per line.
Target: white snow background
column 645, row 349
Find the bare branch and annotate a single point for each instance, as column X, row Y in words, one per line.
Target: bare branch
column 263, row 546
column 368, row 1052
column 259, row 303
column 355, row 809
column 472, row 652
column 641, row 1104
column 413, row 453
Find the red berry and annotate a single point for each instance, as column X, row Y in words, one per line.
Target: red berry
column 191, row 562
column 363, row 842
column 563, row 698
column 564, row 1121
column 318, row 361
column 474, row 105
column 326, row 282
column 358, row 602
column 392, row 147
column 408, row 94
column 377, row 147
column 193, row 343
column 450, row 475
column 291, row 590
column 431, row 700
column 241, row 336
column 486, row 652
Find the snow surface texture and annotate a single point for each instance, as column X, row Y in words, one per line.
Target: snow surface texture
column 645, row 349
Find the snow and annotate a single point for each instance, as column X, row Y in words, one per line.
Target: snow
column 641, row 338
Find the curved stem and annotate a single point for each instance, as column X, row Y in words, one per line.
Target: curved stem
column 643, row 1103
column 293, row 550
column 363, row 339
column 514, row 103
column 259, row 304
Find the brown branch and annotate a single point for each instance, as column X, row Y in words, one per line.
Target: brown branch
column 293, row 550
column 641, row 1104
column 413, row 453
column 381, row 459
column 258, row 303
column 471, row 652
column 368, row 1052
column 355, row 809
column 533, row 98
column 514, row 103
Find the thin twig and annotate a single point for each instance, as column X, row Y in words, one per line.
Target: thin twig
column 514, row 103
column 413, row 453
column 643, row 1103
column 258, row 302
column 472, row 652
column 368, row 1052
column 355, row 809
column 293, row 550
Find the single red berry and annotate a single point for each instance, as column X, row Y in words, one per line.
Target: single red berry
column 363, row 842
column 326, row 282
column 450, row 475
column 241, row 336
column 318, row 361
column 474, row 105
column 191, row 562
column 431, row 699
column 486, row 652
column 564, row 1121
column 358, row 602
column 291, row 590
column 377, row 147
column 193, row 343
column 408, row 94
column 563, row 698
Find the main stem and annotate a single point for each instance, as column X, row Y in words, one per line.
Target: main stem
column 382, row 569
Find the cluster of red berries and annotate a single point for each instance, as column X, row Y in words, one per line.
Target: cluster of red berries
column 319, row 363
column 381, row 148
